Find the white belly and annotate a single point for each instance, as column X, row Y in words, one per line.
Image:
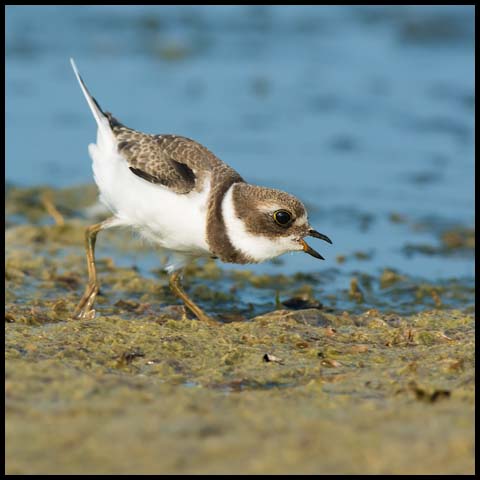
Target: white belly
column 174, row 221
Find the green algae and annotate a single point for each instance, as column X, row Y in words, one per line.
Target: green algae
column 452, row 241
column 154, row 386
column 143, row 388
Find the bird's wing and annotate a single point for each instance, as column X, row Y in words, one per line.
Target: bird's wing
column 175, row 162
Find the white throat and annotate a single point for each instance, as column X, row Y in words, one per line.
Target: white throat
column 256, row 247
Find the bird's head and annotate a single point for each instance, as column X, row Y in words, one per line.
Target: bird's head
column 263, row 223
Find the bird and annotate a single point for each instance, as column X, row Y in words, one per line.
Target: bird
column 181, row 197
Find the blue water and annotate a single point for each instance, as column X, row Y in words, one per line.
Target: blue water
column 359, row 111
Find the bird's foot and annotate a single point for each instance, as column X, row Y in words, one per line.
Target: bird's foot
column 84, row 310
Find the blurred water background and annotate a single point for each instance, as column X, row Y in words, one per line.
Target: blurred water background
column 365, row 113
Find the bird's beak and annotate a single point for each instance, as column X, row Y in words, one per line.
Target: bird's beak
column 321, row 236
column 308, row 249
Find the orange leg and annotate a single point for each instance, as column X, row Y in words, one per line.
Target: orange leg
column 84, row 308
column 193, row 307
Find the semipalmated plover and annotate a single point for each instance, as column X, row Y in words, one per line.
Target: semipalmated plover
column 180, row 196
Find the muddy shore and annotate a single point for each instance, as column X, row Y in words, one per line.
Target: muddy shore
column 291, row 382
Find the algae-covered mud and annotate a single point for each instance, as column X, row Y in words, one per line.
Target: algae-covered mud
column 378, row 378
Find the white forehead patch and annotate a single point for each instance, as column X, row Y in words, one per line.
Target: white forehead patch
column 257, row 247
column 303, row 220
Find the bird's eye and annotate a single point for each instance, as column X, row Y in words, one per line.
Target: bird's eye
column 282, row 217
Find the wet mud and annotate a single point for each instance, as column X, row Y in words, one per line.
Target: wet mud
column 376, row 378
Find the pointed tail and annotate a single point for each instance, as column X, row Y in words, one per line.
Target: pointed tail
column 101, row 119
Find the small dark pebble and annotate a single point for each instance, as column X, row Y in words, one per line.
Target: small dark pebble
column 128, row 357
column 300, row 303
column 429, row 397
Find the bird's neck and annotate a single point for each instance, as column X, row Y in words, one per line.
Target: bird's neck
column 217, row 237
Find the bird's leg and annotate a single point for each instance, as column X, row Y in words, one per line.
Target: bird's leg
column 84, row 308
column 180, row 293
